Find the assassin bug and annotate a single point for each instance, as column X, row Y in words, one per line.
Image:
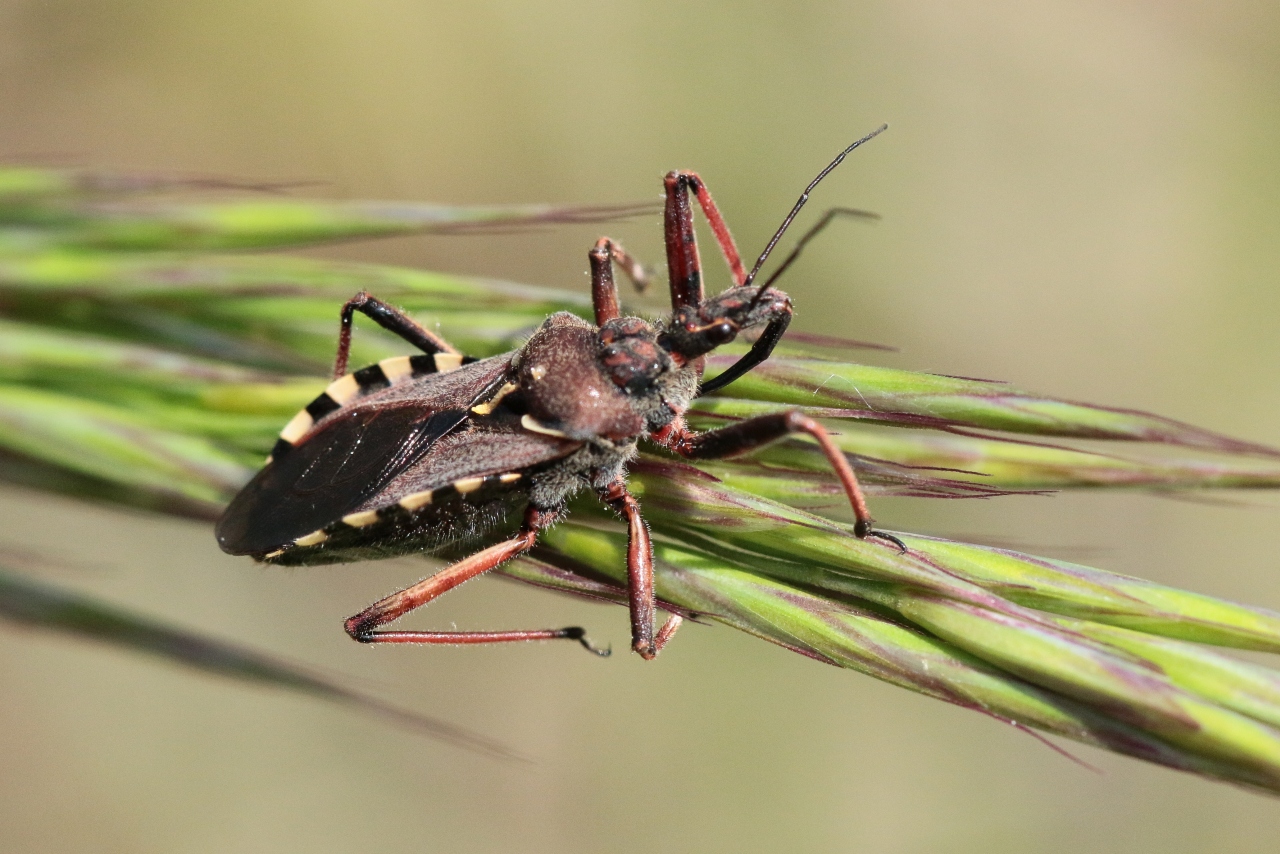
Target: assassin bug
column 418, row 452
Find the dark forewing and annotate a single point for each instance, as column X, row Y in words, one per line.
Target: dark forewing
column 481, row 450
column 470, row 481
column 350, row 454
column 348, row 459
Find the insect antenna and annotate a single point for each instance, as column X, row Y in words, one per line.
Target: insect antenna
column 804, row 197
column 813, row 232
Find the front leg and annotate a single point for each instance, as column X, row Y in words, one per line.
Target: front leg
column 759, row 351
column 604, row 291
column 684, row 267
column 639, row 574
column 754, row 432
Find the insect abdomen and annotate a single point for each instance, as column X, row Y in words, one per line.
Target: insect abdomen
column 418, row 522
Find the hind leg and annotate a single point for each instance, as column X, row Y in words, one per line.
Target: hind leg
column 391, row 319
column 364, row 626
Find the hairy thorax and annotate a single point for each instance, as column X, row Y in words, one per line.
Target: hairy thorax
column 606, row 387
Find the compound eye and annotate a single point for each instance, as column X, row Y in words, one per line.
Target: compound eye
column 721, row 333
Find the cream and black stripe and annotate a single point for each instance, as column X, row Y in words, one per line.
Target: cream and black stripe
column 449, row 491
column 345, row 389
column 410, row 503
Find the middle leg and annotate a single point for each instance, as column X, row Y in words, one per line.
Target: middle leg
column 639, row 574
column 754, row 432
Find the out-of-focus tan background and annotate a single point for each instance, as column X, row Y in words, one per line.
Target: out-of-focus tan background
column 1080, row 197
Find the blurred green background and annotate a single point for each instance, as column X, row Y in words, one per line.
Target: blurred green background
column 1079, row 197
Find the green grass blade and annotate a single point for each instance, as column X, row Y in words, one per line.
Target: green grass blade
column 1105, row 597
column 116, row 445
column 859, row 637
column 960, row 402
column 37, row 355
column 693, row 504
column 24, row 187
column 119, row 275
column 1249, row 689
column 278, row 222
column 930, row 455
column 788, row 480
column 711, row 513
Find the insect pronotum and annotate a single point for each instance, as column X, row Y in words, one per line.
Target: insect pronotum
column 417, row 452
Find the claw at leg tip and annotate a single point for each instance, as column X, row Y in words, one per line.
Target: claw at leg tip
column 862, row 530
column 603, row 653
column 580, row 635
column 902, row 547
